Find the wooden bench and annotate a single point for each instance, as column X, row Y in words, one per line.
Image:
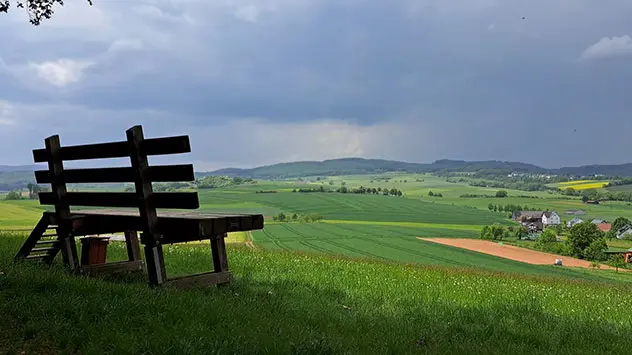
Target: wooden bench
column 157, row 228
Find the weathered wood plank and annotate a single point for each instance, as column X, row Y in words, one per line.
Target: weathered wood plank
column 113, row 267
column 218, row 252
column 159, row 173
column 152, row 146
column 202, row 279
column 133, row 246
column 59, row 193
column 175, row 227
column 184, row 200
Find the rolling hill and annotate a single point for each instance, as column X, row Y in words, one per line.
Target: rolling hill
column 16, row 177
column 358, row 166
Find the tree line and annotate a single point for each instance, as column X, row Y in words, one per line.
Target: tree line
column 359, row 190
column 296, row 217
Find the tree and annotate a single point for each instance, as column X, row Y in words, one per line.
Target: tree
column 501, row 193
column 617, row 261
column 490, row 207
column 582, row 235
column 37, row 9
column 13, row 195
column 521, row 233
column 494, row 232
column 430, row 193
column 585, row 199
column 619, row 223
column 596, row 249
column 547, row 237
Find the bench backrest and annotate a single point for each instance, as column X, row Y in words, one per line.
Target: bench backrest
column 137, row 148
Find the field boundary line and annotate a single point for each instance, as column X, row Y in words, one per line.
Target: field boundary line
column 468, row 227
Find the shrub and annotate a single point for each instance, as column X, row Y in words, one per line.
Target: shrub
column 13, row 195
column 582, row 235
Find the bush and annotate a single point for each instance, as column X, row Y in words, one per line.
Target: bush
column 495, row 232
column 501, row 193
column 595, row 250
column 582, row 236
column 13, row 195
column 547, row 237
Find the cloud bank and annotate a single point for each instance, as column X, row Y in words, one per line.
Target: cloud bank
column 261, row 82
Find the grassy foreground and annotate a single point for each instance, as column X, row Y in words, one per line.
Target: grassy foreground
column 291, row 303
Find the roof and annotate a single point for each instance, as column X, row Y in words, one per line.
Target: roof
column 597, row 221
column 625, row 228
column 604, row 227
column 530, row 214
column 576, row 219
column 549, row 213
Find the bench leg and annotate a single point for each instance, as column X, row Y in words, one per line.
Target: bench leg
column 218, row 250
column 133, row 246
column 155, row 264
column 68, row 250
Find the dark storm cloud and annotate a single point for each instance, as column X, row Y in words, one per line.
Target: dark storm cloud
column 466, row 80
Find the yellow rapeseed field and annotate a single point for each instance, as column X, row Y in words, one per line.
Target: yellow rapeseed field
column 580, row 185
column 576, row 182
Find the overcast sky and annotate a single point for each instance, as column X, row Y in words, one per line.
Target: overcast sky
column 267, row 81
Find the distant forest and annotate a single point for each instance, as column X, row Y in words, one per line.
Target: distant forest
column 12, row 177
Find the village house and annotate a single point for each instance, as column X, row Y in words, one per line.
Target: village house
column 536, row 220
column 573, row 222
column 624, row 231
column 550, row 218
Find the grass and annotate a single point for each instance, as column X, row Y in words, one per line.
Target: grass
column 350, row 207
column 292, row 303
column 389, row 243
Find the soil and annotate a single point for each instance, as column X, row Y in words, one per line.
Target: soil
column 512, row 252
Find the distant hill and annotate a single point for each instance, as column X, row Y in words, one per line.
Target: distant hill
column 17, row 177
column 354, row 166
column 20, row 168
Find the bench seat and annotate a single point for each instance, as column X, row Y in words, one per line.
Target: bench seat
column 176, row 227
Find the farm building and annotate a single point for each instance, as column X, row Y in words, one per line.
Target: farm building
column 604, row 227
column 576, row 212
column 545, row 218
column 625, row 231
column 627, row 254
column 550, row 218
column 592, row 202
column 573, row 222
column 597, row 221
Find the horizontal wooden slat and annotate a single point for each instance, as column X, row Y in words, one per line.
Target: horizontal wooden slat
column 201, row 279
column 158, row 173
column 151, row 146
column 113, row 267
column 185, row 200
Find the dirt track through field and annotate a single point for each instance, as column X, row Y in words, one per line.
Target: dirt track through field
column 512, row 252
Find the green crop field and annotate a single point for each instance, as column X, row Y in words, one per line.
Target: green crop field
column 349, row 207
column 294, row 303
column 391, row 243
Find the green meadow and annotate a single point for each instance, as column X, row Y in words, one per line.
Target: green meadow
column 356, row 282
column 298, row 303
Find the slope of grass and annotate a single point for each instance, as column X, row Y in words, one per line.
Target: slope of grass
column 288, row 303
column 19, row 214
column 390, row 243
column 355, row 207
